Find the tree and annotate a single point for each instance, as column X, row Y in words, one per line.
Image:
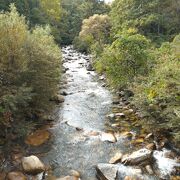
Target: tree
column 95, row 32
column 158, row 20
column 29, row 69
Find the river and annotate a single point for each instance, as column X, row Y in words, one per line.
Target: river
column 77, row 142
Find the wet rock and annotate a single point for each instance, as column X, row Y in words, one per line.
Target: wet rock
column 142, row 156
column 89, row 67
column 149, row 136
column 120, row 115
column 16, row 176
column 58, row 99
column 38, row 138
column 127, row 134
column 68, row 178
column 151, row 146
column 75, row 173
column 32, row 165
column 101, row 78
column 110, row 137
column 117, row 158
column 106, row 171
column 110, row 116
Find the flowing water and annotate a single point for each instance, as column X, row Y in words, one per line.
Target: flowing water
column 74, row 146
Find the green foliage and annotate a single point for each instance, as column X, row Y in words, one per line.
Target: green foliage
column 158, row 94
column 125, row 59
column 158, row 20
column 29, row 67
column 74, row 12
column 94, row 33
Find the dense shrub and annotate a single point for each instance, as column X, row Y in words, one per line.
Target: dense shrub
column 29, row 68
column 158, row 95
column 94, row 33
column 125, row 59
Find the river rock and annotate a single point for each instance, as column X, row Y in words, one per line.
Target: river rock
column 106, row 171
column 110, row 137
column 142, row 156
column 38, row 138
column 58, row 99
column 120, row 115
column 151, row 146
column 110, row 116
column 32, row 165
column 16, row 176
column 75, row 173
column 68, row 178
column 117, row 158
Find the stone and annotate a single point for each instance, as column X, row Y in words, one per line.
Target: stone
column 111, row 116
column 16, row 176
column 59, row 99
column 75, row 173
column 110, row 137
column 149, row 136
column 38, row 137
column 32, row 165
column 117, row 158
column 120, row 115
column 127, row 134
column 142, row 156
column 106, row 171
column 151, row 146
column 68, row 178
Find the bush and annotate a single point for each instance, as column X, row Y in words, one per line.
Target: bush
column 124, row 60
column 29, row 68
column 158, row 95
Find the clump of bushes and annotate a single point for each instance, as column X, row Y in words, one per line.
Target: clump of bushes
column 124, row 60
column 29, row 68
column 158, row 95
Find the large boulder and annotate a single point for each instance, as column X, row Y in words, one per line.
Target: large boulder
column 32, row 165
column 106, row 171
column 140, row 157
column 16, row 176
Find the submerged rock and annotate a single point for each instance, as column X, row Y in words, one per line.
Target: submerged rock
column 38, row 138
column 16, row 176
column 32, row 165
column 106, row 171
column 142, row 156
